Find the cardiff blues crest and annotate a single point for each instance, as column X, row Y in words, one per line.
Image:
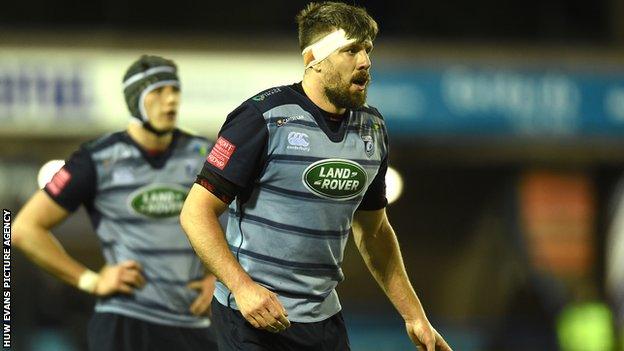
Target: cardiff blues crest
column 369, row 146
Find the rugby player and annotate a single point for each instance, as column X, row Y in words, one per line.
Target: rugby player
column 153, row 293
column 301, row 166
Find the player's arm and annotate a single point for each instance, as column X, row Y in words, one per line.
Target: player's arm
column 379, row 247
column 31, row 235
column 233, row 163
column 200, row 220
column 70, row 187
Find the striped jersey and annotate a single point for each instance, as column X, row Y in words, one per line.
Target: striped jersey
column 289, row 225
column 134, row 200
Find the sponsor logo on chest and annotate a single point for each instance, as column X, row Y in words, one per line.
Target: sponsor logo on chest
column 157, row 200
column 298, row 141
column 282, row 121
column 336, row 179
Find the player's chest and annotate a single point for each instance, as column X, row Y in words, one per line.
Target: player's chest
column 305, row 160
column 297, row 141
column 132, row 186
column 134, row 170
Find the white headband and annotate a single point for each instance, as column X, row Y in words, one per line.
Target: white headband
column 136, row 77
column 324, row 47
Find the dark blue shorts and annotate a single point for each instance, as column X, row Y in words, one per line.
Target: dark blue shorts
column 114, row 332
column 234, row 333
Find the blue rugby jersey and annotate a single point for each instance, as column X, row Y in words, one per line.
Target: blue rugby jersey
column 134, row 200
column 301, row 183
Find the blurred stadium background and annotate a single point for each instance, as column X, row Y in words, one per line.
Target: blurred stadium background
column 507, row 128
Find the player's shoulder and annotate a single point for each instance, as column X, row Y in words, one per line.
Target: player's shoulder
column 370, row 110
column 187, row 136
column 193, row 142
column 105, row 141
column 272, row 97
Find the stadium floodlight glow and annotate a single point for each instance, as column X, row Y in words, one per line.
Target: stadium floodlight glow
column 48, row 170
column 394, row 185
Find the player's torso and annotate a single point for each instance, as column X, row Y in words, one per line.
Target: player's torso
column 135, row 214
column 143, row 199
column 304, row 156
column 316, row 178
column 291, row 233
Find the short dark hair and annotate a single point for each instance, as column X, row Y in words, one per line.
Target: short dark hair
column 320, row 18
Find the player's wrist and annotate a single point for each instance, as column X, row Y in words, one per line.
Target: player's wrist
column 414, row 314
column 240, row 284
column 88, row 281
column 416, row 319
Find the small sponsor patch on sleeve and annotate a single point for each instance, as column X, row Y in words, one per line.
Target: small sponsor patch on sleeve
column 58, row 182
column 221, row 153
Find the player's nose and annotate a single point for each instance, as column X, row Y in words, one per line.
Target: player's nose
column 171, row 97
column 363, row 61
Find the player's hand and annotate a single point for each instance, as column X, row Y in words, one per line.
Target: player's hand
column 121, row 278
column 261, row 308
column 205, row 287
column 424, row 336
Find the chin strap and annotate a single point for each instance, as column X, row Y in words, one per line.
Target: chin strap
column 149, row 127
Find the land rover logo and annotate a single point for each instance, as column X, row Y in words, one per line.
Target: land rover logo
column 335, row 179
column 158, row 200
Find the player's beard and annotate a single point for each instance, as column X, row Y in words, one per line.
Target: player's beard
column 339, row 92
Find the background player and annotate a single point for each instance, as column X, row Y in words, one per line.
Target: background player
column 300, row 160
column 153, row 292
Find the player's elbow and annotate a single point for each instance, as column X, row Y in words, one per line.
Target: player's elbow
column 186, row 217
column 19, row 232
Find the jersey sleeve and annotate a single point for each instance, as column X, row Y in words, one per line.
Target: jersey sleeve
column 375, row 196
column 75, row 183
column 239, row 150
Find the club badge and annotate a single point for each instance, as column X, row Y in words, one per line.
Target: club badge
column 369, row 146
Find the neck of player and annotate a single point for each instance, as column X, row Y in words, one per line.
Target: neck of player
column 315, row 91
column 148, row 140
